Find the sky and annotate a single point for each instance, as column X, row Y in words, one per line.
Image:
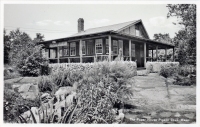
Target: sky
column 58, row 21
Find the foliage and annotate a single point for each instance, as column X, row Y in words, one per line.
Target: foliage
column 6, row 40
column 24, row 53
column 14, row 105
column 45, row 84
column 19, row 44
column 99, row 87
column 168, row 70
column 10, row 73
column 183, row 75
column 165, row 38
column 39, row 38
column 32, row 61
column 153, row 67
column 185, row 39
column 99, row 90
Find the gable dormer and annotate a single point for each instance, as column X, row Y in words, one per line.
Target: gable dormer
column 135, row 29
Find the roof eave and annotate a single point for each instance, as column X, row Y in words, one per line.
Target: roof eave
column 140, row 38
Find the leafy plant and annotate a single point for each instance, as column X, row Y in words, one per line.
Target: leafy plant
column 32, row 62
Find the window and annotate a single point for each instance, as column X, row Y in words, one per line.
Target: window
column 73, row 49
column 90, row 47
column 137, row 31
column 83, row 48
column 65, row 50
column 132, row 50
column 52, row 53
column 115, row 47
column 98, row 46
column 107, row 46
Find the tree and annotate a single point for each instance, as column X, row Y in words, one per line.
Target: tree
column 19, row 44
column 165, row 38
column 185, row 40
column 39, row 38
column 7, row 43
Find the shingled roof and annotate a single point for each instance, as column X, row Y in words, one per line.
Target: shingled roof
column 114, row 28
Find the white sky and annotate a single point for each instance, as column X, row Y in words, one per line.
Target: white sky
column 56, row 21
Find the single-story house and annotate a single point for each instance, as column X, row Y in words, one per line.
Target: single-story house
column 129, row 38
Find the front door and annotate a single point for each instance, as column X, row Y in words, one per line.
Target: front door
column 139, row 48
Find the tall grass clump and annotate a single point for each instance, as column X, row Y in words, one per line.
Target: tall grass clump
column 99, row 87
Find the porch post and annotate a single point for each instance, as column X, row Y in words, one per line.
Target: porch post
column 58, row 54
column 130, row 50
column 152, row 55
column 165, row 54
column 80, row 51
column 109, row 44
column 145, row 60
column 156, row 53
column 173, row 54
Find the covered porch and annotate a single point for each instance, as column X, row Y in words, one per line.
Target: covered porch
column 106, row 46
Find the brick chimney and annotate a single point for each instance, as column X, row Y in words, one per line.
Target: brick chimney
column 80, row 24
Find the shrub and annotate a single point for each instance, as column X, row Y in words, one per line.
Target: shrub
column 168, row 70
column 14, row 105
column 45, row 84
column 102, row 87
column 32, row 62
column 153, row 67
column 99, row 87
column 10, row 72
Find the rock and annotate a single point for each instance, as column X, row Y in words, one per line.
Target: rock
column 165, row 114
column 24, row 88
column 177, row 115
column 190, row 116
column 63, row 92
column 28, row 91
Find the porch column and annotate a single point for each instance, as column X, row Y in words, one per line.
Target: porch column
column 165, row 54
column 156, row 53
column 173, row 54
column 109, row 44
column 152, row 55
column 80, row 51
column 145, row 59
column 58, row 54
column 130, row 50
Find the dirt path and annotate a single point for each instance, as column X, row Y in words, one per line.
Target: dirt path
column 154, row 100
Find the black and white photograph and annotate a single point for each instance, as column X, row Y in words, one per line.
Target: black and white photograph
column 99, row 63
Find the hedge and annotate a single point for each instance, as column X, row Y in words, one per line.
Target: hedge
column 88, row 66
column 154, row 67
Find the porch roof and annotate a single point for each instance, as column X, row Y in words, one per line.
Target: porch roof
column 107, row 30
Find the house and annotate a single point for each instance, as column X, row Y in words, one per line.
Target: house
column 129, row 38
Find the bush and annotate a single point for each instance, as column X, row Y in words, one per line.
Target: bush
column 183, row 75
column 33, row 63
column 98, row 91
column 99, row 87
column 45, row 84
column 168, row 70
column 14, row 105
column 154, row 67
column 10, row 73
